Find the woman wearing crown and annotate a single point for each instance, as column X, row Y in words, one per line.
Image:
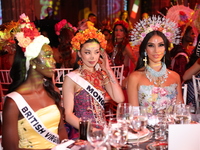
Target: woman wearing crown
column 84, row 88
column 32, row 117
column 152, row 85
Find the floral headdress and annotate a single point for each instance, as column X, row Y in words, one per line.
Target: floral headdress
column 82, row 36
column 121, row 22
column 166, row 26
column 64, row 24
column 29, row 39
column 7, row 32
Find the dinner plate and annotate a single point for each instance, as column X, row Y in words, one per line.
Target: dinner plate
column 143, row 133
column 143, row 138
column 157, row 146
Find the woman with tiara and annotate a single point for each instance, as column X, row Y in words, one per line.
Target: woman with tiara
column 153, row 85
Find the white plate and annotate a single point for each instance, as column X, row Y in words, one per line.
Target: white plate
column 142, row 134
column 143, row 138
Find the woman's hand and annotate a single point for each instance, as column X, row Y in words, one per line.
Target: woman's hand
column 105, row 65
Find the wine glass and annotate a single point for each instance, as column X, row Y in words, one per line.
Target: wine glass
column 96, row 134
column 123, row 112
column 139, row 121
column 182, row 114
column 117, row 134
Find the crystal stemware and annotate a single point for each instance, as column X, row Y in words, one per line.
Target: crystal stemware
column 96, row 134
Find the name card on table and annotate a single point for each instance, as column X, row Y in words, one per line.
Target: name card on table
column 184, row 137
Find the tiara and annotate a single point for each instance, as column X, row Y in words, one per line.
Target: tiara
column 166, row 26
column 126, row 25
column 64, row 24
column 29, row 39
column 91, row 33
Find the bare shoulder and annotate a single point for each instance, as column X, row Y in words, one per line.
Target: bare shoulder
column 136, row 75
column 173, row 74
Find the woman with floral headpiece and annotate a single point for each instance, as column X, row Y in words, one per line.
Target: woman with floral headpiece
column 122, row 51
column 65, row 32
column 32, row 114
column 84, row 88
column 153, row 85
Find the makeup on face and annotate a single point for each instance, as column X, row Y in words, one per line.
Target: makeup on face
column 155, row 49
column 45, row 58
column 90, row 53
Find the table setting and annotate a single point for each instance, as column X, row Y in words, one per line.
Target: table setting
column 134, row 129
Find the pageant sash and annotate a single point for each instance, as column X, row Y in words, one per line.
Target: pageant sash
column 88, row 87
column 33, row 119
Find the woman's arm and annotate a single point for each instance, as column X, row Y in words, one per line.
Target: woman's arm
column 61, row 128
column 132, row 88
column 68, row 98
column 129, row 52
column 179, row 88
column 112, row 86
column 193, row 70
column 10, row 138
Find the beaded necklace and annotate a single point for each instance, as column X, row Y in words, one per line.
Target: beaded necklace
column 157, row 77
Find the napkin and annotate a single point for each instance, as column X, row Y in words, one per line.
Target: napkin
column 184, row 137
column 63, row 146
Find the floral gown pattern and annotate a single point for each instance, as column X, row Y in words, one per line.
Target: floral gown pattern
column 157, row 98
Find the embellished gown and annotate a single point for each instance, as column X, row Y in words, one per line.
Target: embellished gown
column 157, row 98
column 84, row 104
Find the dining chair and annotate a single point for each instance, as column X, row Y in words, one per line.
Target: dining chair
column 196, row 85
column 118, row 71
column 59, row 76
column 184, row 88
column 5, row 81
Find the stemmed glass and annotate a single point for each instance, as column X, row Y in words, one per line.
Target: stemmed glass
column 138, row 122
column 96, row 134
column 182, row 114
column 117, row 134
column 123, row 112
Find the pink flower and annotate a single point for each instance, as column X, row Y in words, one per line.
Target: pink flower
column 60, row 25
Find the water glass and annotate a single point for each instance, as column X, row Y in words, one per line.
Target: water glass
column 96, row 134
column 118, row 134
column 182, row 114
column 123, row 112
column 83, row 124
column 161, row 128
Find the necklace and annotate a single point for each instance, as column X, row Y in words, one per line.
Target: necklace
column 157, row 77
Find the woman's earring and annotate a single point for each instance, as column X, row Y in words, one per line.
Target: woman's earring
column 145, row 59
column 80, row 62
column 34, row 66
column 99, row 61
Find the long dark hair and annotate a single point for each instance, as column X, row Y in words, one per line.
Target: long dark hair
column 165, row 59
column 76, row 65
column 18, row 74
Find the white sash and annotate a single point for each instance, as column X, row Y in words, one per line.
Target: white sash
column 33, row 119
column 88, row 87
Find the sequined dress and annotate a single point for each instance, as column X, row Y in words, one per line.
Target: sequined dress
column 157, row 98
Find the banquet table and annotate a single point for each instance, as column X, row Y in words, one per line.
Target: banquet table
column 86, row 146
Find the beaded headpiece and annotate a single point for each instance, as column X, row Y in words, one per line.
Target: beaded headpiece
column 29, row 39
column 82, row 36
column 143, row 27
column 122, row 22
column 64, row 24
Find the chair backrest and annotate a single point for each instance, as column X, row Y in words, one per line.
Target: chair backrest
column 196, row 85
column 59, row 75
column 5, row 81
column 118, row 71
column 184, row 88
